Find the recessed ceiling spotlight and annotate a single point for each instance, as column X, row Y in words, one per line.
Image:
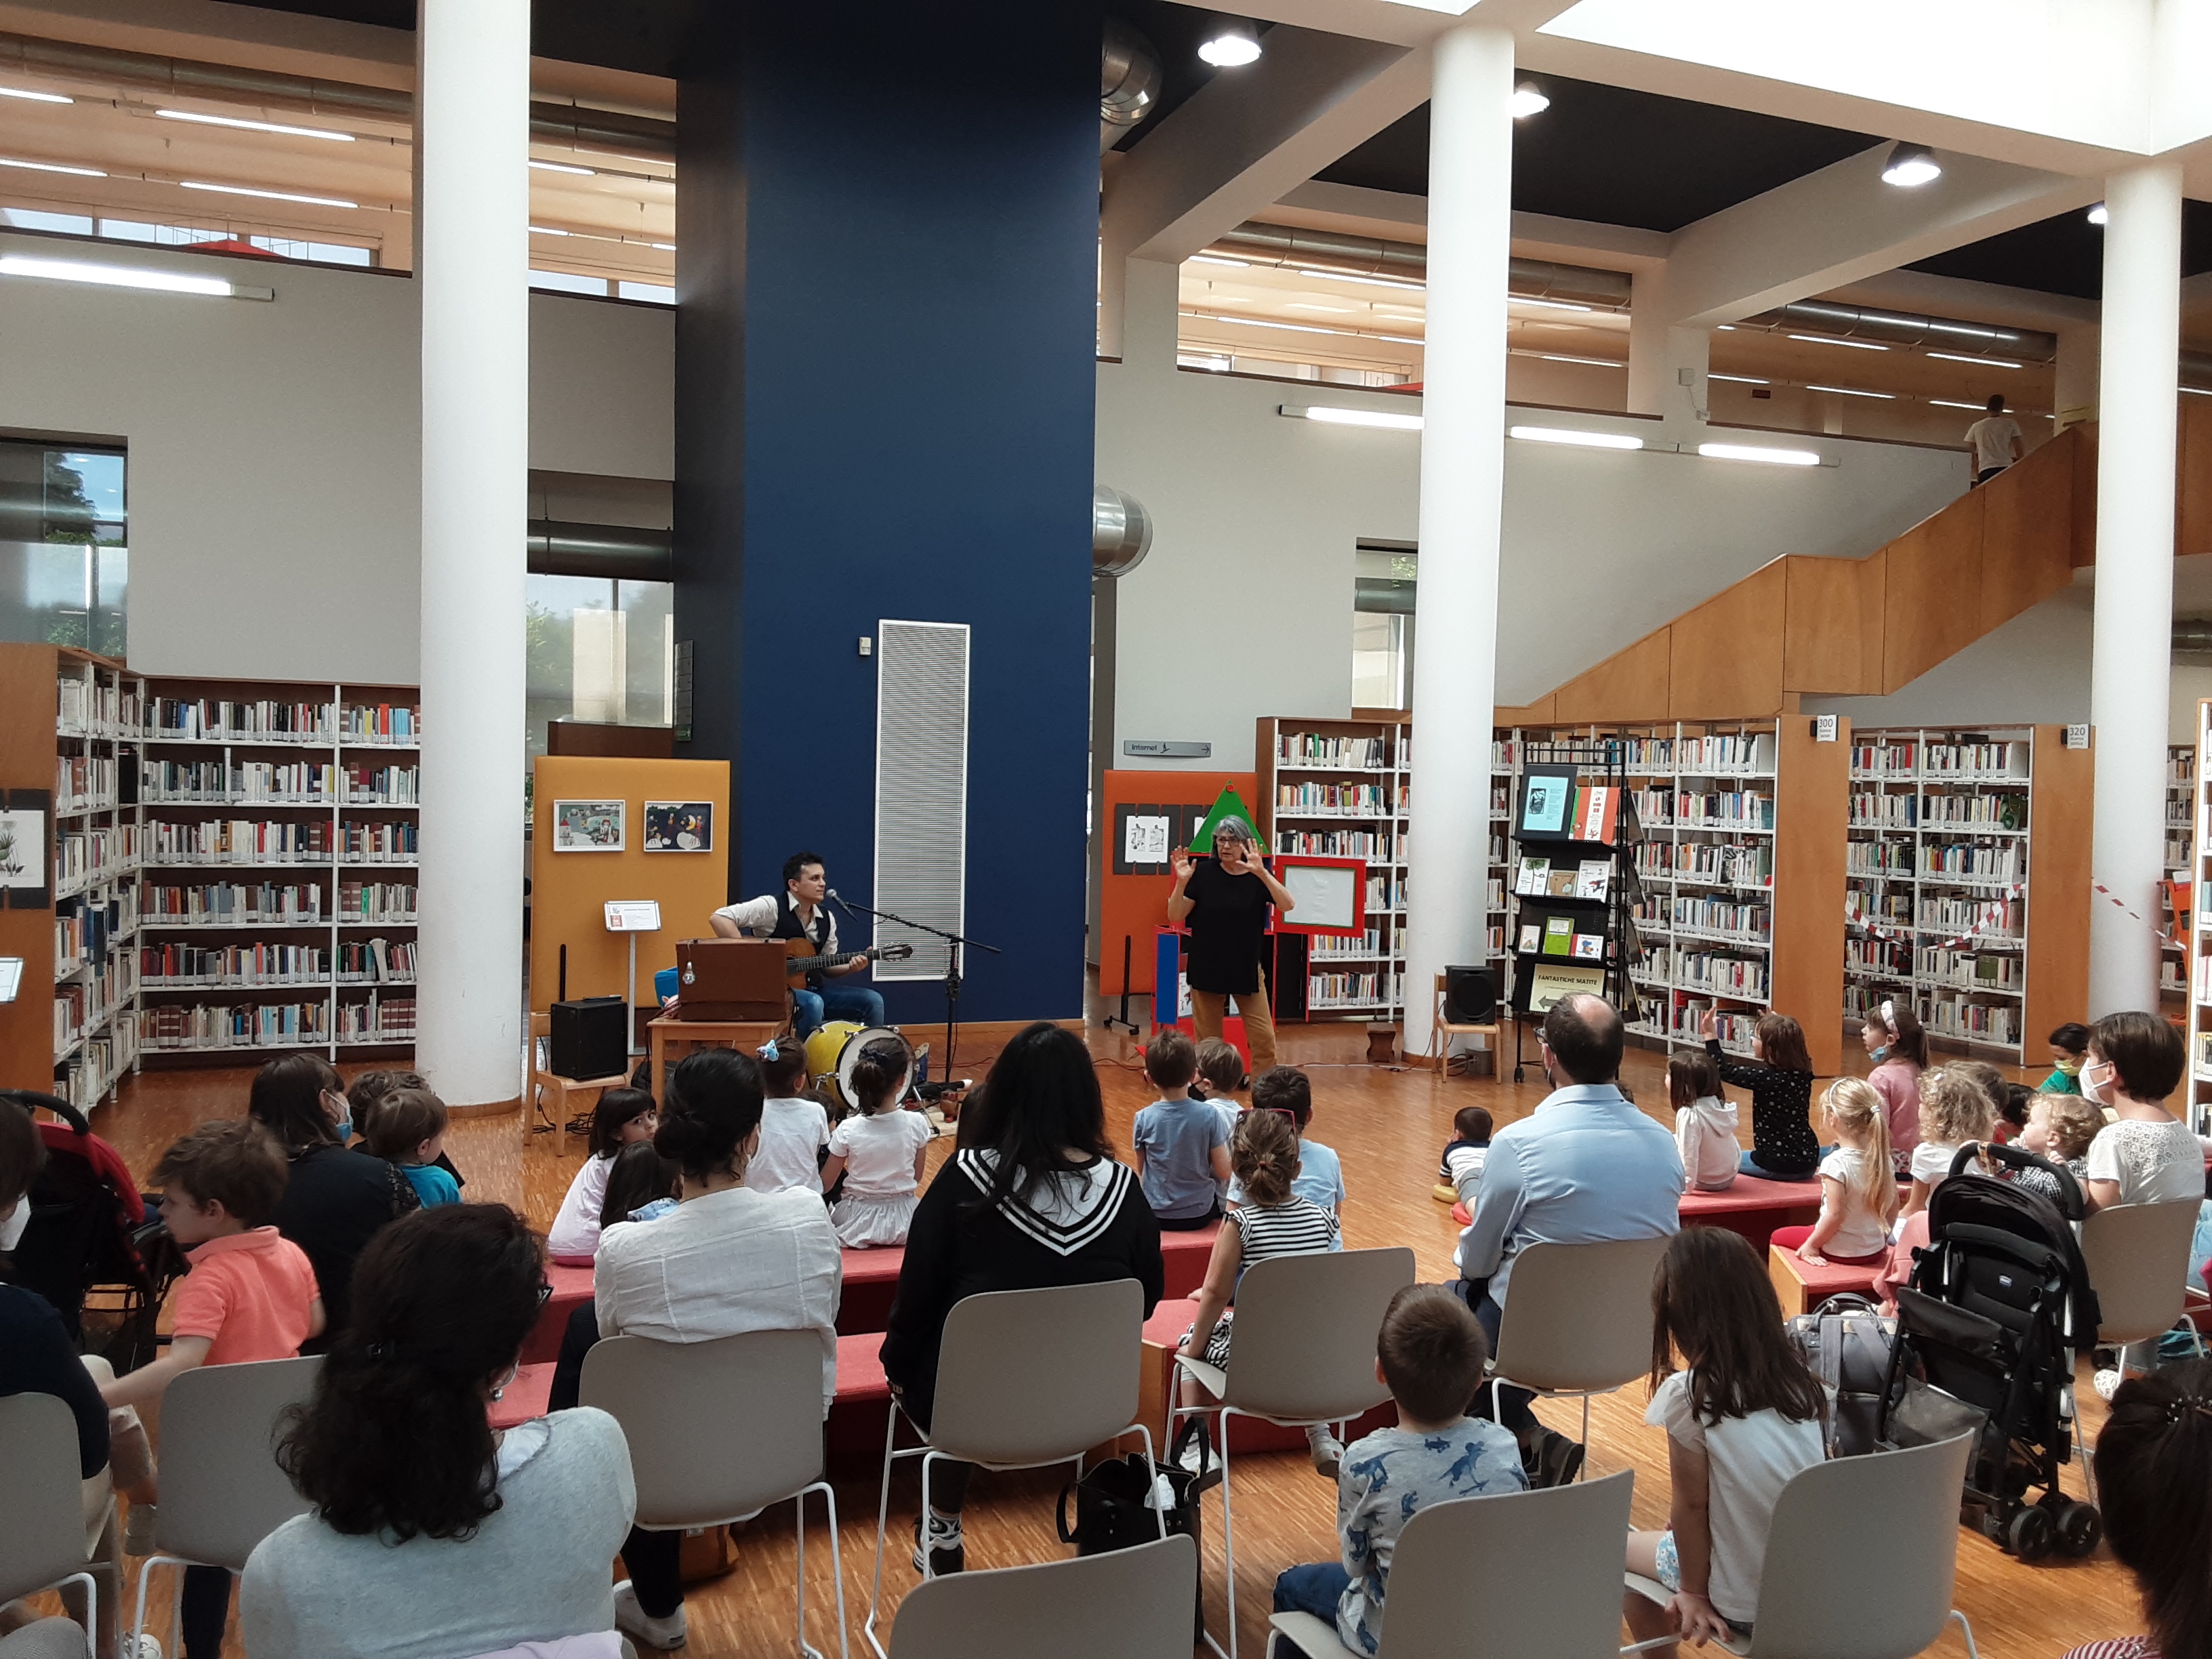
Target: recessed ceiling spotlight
column 1528, row 99
column 1233, row 42
column 2099, row 215
column 1911, row 166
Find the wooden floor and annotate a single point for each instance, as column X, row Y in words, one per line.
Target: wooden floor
column 1389, row 1126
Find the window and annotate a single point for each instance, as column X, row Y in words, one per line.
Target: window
column 599, row 650
column 1382, row 625
column 65, row 568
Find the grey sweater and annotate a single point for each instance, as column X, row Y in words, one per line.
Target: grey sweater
column 537, row 1569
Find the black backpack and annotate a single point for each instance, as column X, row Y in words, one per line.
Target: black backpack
column 1846, row 1344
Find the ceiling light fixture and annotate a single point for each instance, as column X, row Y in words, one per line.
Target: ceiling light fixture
column 1946, row 403
column 25, row 94
column 1911, row 166
column 665, row 247
column 52, row 166
column 1560, row 434
column 1400, row 339
column 73, row 270
column 562, row 166
column 1234, row 43
column 1595, row 362
column 1754, row 453
column 1982, row 362
column 1740, row 379
column 1209, row 259
column 1255, row 322
column 1335, row 416
column 1370, row 282
column 254, row 126
column 1528, row 99
column 1846, row 391
column 1548, row 305
column 546, row 230
column 2100, row 215
column 267, row 195
column 1823, row 339
column 2193, row 390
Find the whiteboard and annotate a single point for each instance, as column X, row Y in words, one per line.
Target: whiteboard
column 1326, row 897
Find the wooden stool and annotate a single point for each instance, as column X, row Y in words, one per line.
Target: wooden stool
column 563, row 1089
column 1801, row 1287
column 672, row 1039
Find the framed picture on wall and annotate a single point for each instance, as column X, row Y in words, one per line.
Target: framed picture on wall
column 679, row 826
column 22, row 850
column 590, row 826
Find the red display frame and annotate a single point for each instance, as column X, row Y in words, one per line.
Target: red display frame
column 1279, row 862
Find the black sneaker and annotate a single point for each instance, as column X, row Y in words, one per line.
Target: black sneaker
column 1558, row 1460
column 947, row 1553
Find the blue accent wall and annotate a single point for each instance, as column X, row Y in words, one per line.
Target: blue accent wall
column 885, row 336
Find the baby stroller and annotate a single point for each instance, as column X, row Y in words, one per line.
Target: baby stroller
column 1998, row 1305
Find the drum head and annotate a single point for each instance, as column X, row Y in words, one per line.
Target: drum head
column 849, row 1055
column 823, row 1044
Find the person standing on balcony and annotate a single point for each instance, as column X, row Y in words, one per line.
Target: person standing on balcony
column 1995, row 439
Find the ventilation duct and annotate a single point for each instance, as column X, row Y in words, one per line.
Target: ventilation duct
column 1128, row 82
column 1296, row 248
column 1906, row 329
column 2192, row 634
column 615, row 551
column 1121, row 532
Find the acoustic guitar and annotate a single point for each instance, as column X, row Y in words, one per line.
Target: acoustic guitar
column 800, row 964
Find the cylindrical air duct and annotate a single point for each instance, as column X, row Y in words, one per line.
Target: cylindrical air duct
column 1121, row 532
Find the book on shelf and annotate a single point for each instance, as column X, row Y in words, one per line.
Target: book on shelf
column 1532, row 937
column 1558, row 936
column 1593, row 879
column 1589, row 947
column 1561, row 884
column 1597, row 813
column 1534, row 877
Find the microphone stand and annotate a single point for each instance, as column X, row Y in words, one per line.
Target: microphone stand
column 952, row 944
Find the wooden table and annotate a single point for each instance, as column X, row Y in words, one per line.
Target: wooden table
column 672, row 1039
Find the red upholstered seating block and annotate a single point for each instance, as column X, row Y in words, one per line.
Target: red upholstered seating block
column 1184, row 1257
column 1801, row 1287
column 524, row 1398
column 856, row 1428
column 572, row 1288
column 871, row 1285
column 1754, row 1208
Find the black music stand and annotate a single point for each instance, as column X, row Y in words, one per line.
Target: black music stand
column 952, row 943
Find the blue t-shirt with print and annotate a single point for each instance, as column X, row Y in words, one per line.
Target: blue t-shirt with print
column 1177, row 1138
column 431, row 1184
column 1389, row 1477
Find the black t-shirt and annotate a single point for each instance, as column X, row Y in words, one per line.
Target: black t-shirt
column 1227, row 919
column 36, row 1357
column 334, row 1203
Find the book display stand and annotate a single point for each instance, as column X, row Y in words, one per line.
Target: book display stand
column 2195, row 935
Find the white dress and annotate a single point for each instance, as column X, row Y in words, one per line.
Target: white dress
column 880, row 1187
column 575, row 1234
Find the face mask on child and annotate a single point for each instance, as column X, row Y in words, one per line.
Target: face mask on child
column 12, row 1226
column 2070, row 1067
column 1880, row 1055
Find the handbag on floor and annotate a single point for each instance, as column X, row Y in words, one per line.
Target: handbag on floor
column 1115, row 1510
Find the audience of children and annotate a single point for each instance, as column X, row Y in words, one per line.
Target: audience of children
column 372, row 1089
column 1899, row 1048
column 1430, row 1353
column 2059, row 1127
column 408, row 1128
column 250, row 1295
column 1287, row 1090
column 622, row 1117
column 641, row 1185
column 1780, row 1078
column 1270, row 1219
column 1742, row 1413
column 1955, row 1112
column 2070, row 1048
column 1858, row 1187
column 1180, row 1143
column 794, row 1126
column 1704, row 1122
column 1221, row 1072
column 880, row 1150
column 1461, row 1170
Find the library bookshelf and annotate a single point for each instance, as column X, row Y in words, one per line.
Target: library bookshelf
column 278, row 842
column 1968, row 881
column 2181, row 772
column 2197, row 936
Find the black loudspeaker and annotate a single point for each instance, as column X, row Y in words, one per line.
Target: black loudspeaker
column 1470, row 996
column 589, row 1038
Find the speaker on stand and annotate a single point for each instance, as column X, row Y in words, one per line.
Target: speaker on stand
column 1470, row 998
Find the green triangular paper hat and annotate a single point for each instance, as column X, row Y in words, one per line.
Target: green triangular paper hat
column 1229, row 806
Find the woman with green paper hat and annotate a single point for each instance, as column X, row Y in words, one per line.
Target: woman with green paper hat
column 1224, row 902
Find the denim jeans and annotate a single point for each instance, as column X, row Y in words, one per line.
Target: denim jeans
column 855, row 1002
column 1315, row 1587
column 1746, row 1165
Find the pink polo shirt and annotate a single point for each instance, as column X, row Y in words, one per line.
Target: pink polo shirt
column 252, row 1294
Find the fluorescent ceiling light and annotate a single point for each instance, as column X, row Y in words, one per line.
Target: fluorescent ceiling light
column 75, row 270
column 2100, row 215
column 1946, row 403
column 52, row 166
column 1755, row 452
column 1741, row 380
column 267, row 195
column 34, row 97
column 1823, row 339
column 562, row 166
column 1233, row 44
column 1941, row 325
column 254, row 126
column 1984, row 362
column 1846, row 391
column 1560, row 434
column 2193, row 390
column 1548, row 305
column 546, row 230
column 1307, row 305
column 1911, row 166
column 1371, row 282
column 1527, row 100
column 1449, row 7
column 1401, row 339
column 665, row 247
column 1208, row 260
column 1382, row 418
column 1595, row 362
column 1255, row 322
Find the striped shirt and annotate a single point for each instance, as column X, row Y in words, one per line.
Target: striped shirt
column 2121, row 1647
column 1295, row 1227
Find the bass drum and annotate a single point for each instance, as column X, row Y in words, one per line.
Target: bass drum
column 849, row 1054
column 823, row 1044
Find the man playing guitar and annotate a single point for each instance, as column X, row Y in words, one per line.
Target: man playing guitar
column 798, row 913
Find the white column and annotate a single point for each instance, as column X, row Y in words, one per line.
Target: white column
column 472, row 275
column 2135, row 576
column 1667, row 363
column 1462, row 486
column 2074, row 376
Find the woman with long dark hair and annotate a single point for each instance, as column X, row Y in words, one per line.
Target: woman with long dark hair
column 2154, row 1481
column 336, row 1200
column 431, row 1535
column 1032, row 1198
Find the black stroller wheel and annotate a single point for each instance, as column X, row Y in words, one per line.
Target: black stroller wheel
column 2079, row 1527
column 2031, row 1533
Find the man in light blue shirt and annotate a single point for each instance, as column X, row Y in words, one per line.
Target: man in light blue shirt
column 1586, row 1166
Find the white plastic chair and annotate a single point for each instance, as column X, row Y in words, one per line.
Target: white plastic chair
column 42, row 1520
column 719, row 1430
column 1125, row 1604
column 1860, row 1562
column 1304, row 1354
column 1576, row 1320
column 2137, row 1255
column 1523, row 1575
column 1024, row 1379
column 221, row 1491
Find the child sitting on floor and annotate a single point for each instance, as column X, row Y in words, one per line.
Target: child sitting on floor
column 1320, row 1180
column 880, row 1150
column 1954, row 1111
column 1858, row 1190
column 621, row 1118
column 641, row 1185
column 409, row 1131
column 1461, row 1167
column 250, row 1295
column 1705, row 1123
column 1220, row 1071
column 1431, row 1353
column 1270, row 1220
column 1743, row 1415
column 2070, row 1048
column 794, row 1128
column 1180, row 1144
column 372, row 1089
